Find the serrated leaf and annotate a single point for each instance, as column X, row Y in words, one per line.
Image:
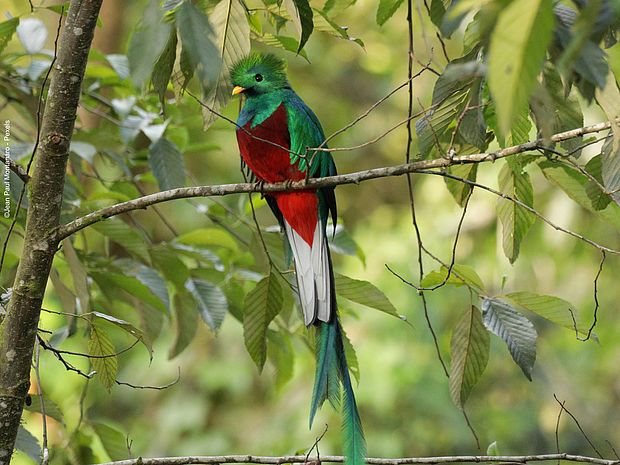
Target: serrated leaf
column 609, row 100
column 287, row 43
column 80, row 278
column 7, row 29
column 167, row 164
column 128, row 328
column 195, row 33
column 569, row 180
column 460, row 191
column 262, row 304
column 518, row 47
column 28, row 444
column 51, row 408
column 212, row 303
column 302, row 17
column 114, row 442
column 232, row 38
column 364, row 293
column 554, row 309
column 147, row 43
column 162, row 70
column 110, row 283
column 469, row 350
column 106, row 363
column 462, row 275
column 323, row 23
column 351, row 356
column 386, row 10
column 167, row 261
column 514, row 329
column 122, row 234
column 186, row 319
column 282, row 355
column 516, row 220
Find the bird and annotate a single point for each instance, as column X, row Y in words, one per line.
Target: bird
column 275, row 129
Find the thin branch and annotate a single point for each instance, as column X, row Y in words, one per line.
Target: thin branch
column 44, row 449
column 578, row 426
column 155, row 388
column 596, row 302
column 15, row 168
column 218, row 460
column 349, row 178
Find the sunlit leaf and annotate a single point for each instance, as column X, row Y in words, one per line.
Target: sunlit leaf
column 516, row 220
column 114, row 442
column 514, row 329
column 232, row 38
column 364, row 293
column 469, row 350
column 518, row 47
column 262, row 304
column 461, row 275
column 128, row 328
column 105, row 361
column 7, row 29
column 167, row 164
column 386, row 10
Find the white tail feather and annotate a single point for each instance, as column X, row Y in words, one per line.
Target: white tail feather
column 313, row 275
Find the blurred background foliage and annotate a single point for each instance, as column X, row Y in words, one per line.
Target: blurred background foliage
column 125, row 146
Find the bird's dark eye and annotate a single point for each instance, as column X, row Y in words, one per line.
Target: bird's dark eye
column 258, row 77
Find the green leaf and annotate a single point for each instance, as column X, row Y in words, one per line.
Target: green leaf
column 80, row 278
column 195, row 32
column 110, row 283
column 386, row 10
column 113, row 441
column 460, row 191
column 469, row 349
column 106, row 363
column 186, row 319
column 282, row 355
column 51, row 408
column 351, row 356
column 438, row 10
column 128, row 328
column 164, row 65
column 212, row 303
column 514, row 329
column 125, row 236
column 7, row 29
column 169, row 264
column 147, row 43
column 209, row 237
column 343, row 243
column 287, row 43
column 462, row 275
column 232, row 38
column 262, row 304
column 167, row 164
column 364, row 293
column 571, row 181
column 302, row 17
column 609, row 100
column 554, row 309
column 518, row 47
column 594, row 167
column 516, row 220
column 28, row 444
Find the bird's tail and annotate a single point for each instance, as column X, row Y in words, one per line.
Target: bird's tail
column 332, row 372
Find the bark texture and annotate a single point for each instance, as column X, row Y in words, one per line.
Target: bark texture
column 19, row 327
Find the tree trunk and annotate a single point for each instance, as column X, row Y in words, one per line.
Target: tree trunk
column 19, row 327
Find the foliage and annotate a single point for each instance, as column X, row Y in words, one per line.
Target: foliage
column 525, row 69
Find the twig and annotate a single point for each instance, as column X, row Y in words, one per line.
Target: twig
column 44, row 449
column 512, row 459
column 80, row 354
column 578, row 426
column 557, row 428
column 156, row 388
column 15, row 168
column 596, row 302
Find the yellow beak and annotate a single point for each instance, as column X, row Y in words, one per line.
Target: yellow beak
column 238, row 90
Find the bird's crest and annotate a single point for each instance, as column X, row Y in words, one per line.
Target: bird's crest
column 259, row 63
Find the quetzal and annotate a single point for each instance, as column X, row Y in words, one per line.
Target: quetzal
column 274, row 130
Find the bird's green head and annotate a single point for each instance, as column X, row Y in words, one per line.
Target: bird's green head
column 258, row 74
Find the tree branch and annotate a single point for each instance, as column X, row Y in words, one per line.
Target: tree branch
column 507, row 459
column 15, row 168
column 146, row 201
